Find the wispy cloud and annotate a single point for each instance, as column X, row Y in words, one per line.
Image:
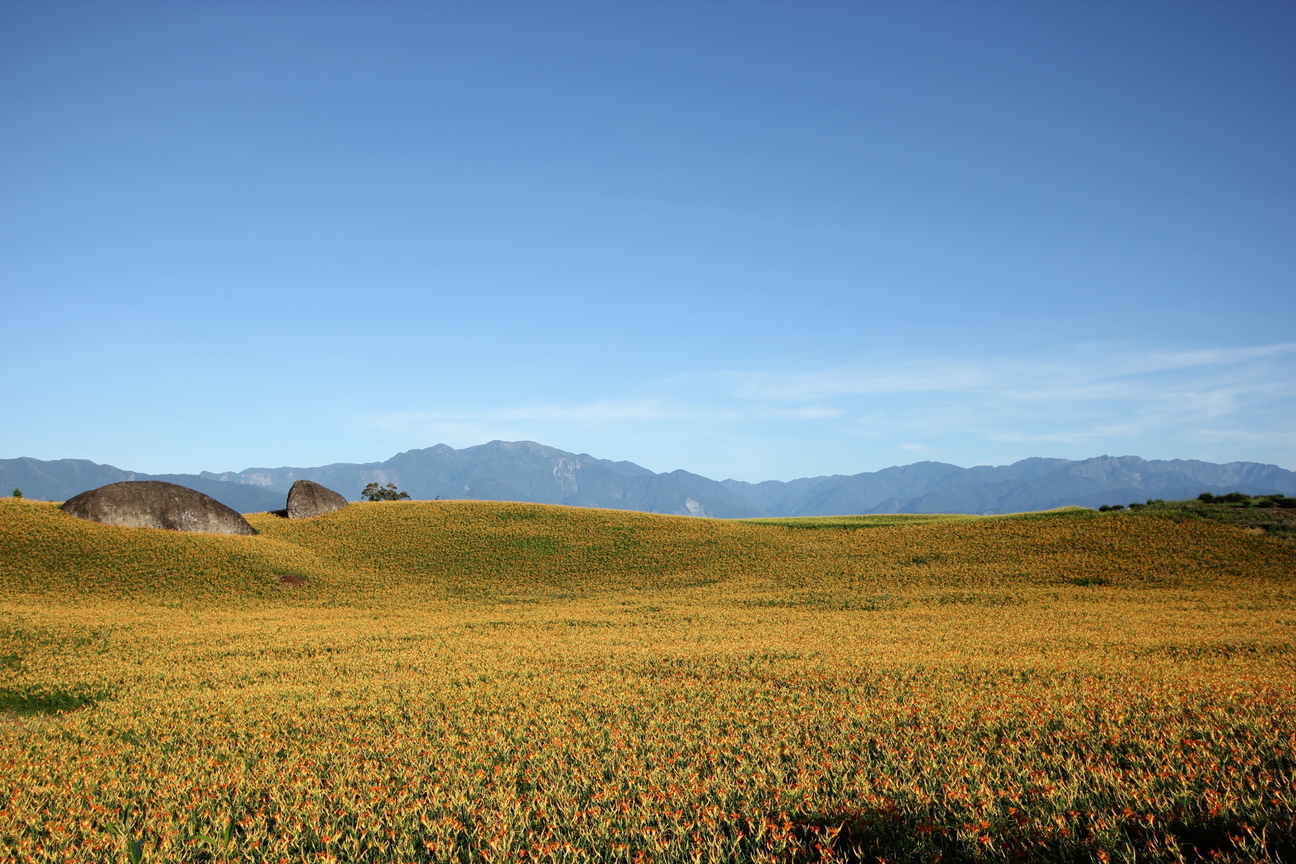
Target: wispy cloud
column 607, row 411
column 1084, row 398
column 1087, row 372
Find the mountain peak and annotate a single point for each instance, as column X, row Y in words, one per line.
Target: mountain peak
column 530, row 471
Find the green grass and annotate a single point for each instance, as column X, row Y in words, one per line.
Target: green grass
column 30, row 701
column 893, row 520
column 867, row 520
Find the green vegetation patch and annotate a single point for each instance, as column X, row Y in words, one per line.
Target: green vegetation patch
column 537, row 545
column 867, row 520
column 893, row 520
column 1272, row 515
column 824, row 602
column 1045, row 515
column 30, row 701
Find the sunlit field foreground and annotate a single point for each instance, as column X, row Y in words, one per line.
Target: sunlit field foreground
column 471, row 681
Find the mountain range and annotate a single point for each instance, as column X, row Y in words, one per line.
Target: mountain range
column 526, row 471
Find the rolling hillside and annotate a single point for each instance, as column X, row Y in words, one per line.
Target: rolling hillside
column 465, row 681
column 449, row 549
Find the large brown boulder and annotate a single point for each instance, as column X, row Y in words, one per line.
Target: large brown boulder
column 307, row 498
column 154, row 504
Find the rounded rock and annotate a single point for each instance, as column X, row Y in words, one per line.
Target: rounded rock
column 307, row 498
column 155, row 504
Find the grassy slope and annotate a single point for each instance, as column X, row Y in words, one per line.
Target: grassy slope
column 461, row 677
column 1257, row 514
column 870, row 520
column 392, row 553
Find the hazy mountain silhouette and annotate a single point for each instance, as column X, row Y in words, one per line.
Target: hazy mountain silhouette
column 61, row 479
column 517, row 471
column 526, row 471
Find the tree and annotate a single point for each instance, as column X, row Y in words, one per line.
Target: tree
column 374, row 492
column 17, row 492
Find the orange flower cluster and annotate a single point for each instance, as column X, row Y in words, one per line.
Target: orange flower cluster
column 471, row 681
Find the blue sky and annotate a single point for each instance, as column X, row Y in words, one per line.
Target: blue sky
column 753, row 240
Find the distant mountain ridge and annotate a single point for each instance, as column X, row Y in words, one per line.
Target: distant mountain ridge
column 59, row 480
column 527, row 471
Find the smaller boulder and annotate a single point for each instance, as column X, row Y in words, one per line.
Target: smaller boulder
column 307, row 498
column 155, row 504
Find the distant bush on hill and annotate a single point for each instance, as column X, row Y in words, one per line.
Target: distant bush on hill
column 1241, row 499
column 1265, row 513
column 374, row 492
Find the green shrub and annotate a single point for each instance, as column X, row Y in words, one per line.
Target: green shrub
column 374, row 492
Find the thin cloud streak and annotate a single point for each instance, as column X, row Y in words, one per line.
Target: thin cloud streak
column 1087, row 398
column 1082, row 373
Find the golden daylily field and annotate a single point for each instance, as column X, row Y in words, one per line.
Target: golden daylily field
column 474, row 681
